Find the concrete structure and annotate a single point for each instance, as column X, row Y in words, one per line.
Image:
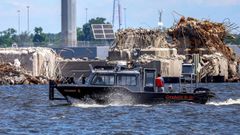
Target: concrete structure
column 126, row 54
column 100, row 52
column 69, row 30
column 36, row 61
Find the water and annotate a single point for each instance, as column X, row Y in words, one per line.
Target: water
column 27, row 110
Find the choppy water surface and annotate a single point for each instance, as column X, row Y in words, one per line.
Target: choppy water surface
column 27, row 110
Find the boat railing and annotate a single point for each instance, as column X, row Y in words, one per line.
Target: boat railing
column 187, row 80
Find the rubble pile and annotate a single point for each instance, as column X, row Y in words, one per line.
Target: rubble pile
column 146, row 58
column 201, row 34
column 214, row 65
column 12, row 75
column 133, row 43
column 139, row 38
column 207, row 39
column 36, row 60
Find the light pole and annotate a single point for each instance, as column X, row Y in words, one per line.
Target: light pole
column 28, row 7
column 160, row 22
column 19, row 22
column 125, row 17
column 86, row 14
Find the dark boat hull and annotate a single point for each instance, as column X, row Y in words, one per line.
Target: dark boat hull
column 107, row 95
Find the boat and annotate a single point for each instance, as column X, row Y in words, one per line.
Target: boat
column 105, row 85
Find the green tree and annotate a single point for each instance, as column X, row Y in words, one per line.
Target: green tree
column 39, row 37
column 87, row 29
column 25, row 39
column 53, row 39
column 7, row 37
column 38, row 30
column 80, row 34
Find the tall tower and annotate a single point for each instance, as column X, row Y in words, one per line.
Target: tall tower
column 160, row 22
column 69, row 29
column 117, row 14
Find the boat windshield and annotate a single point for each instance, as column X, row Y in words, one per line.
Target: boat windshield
column 127, row 80
column 103, row 79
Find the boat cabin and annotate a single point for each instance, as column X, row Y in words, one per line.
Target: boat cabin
column 136, row 85
column 135, row 80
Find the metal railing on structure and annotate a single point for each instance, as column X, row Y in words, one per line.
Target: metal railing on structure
column 94, row 43
column 59, row 44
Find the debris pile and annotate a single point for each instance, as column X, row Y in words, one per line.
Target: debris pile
column 214, row 65
column 12, row 75
column 140, row 38
column 204, row 37
column 147, row 58
column 133, row 43
column 36, row 60
column 197, row 34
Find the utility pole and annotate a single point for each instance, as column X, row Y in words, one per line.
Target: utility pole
column 86, row 9
column 125, row 17
column 28, row 7
column 160, row 22
column 119, row 15
column 18, row 11
column 113, row 15
column 117, row 7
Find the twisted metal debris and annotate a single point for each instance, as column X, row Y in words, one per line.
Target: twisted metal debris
column 9, row 74
column 189, row 36
column 139, row 38
column 200, row 34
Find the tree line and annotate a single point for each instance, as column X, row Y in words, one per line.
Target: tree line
column 39, row 38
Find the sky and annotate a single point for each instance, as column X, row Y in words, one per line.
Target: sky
column 139, row 13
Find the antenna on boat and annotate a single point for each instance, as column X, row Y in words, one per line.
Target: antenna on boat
column 91, row 67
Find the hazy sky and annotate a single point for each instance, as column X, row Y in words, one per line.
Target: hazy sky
column 140, row 13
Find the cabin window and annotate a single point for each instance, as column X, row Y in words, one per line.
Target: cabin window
column 149, row 79
column 103, row 80
column 127, row 80
column 187, row 69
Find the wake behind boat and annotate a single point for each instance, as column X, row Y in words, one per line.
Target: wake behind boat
column 134, row 86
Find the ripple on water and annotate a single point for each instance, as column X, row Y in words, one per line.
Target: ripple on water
column 227, row 102
column 27, row 110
